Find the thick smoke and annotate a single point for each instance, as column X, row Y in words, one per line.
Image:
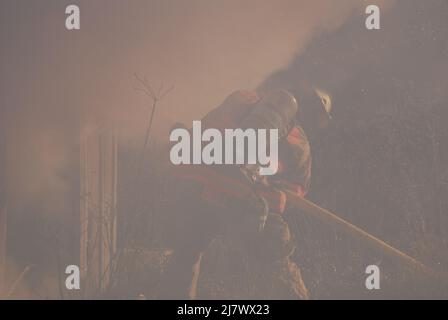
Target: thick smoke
column 55, row 83
column 53, row 78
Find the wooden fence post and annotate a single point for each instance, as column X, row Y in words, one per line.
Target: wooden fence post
column 98, row 215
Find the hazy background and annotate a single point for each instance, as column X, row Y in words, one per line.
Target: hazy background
column 382, row 164
column 206, row 49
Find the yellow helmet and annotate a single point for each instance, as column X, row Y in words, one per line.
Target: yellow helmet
column 326, row 100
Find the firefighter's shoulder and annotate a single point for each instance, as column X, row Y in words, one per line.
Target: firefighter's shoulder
column 242, row 97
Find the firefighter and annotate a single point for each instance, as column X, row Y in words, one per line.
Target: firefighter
column 234, row 245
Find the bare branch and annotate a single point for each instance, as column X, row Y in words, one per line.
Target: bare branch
column 166, row 92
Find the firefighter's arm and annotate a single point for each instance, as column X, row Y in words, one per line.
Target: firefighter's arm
column 294, row 173
column 275, row 196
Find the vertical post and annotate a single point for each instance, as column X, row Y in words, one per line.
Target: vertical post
column 3, row 229
column 84, row 214
column 3, row 212
column 98, row 208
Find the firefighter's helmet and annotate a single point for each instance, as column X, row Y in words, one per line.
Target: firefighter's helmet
column 325, row 101
column 276, row 110
column 315, row 109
